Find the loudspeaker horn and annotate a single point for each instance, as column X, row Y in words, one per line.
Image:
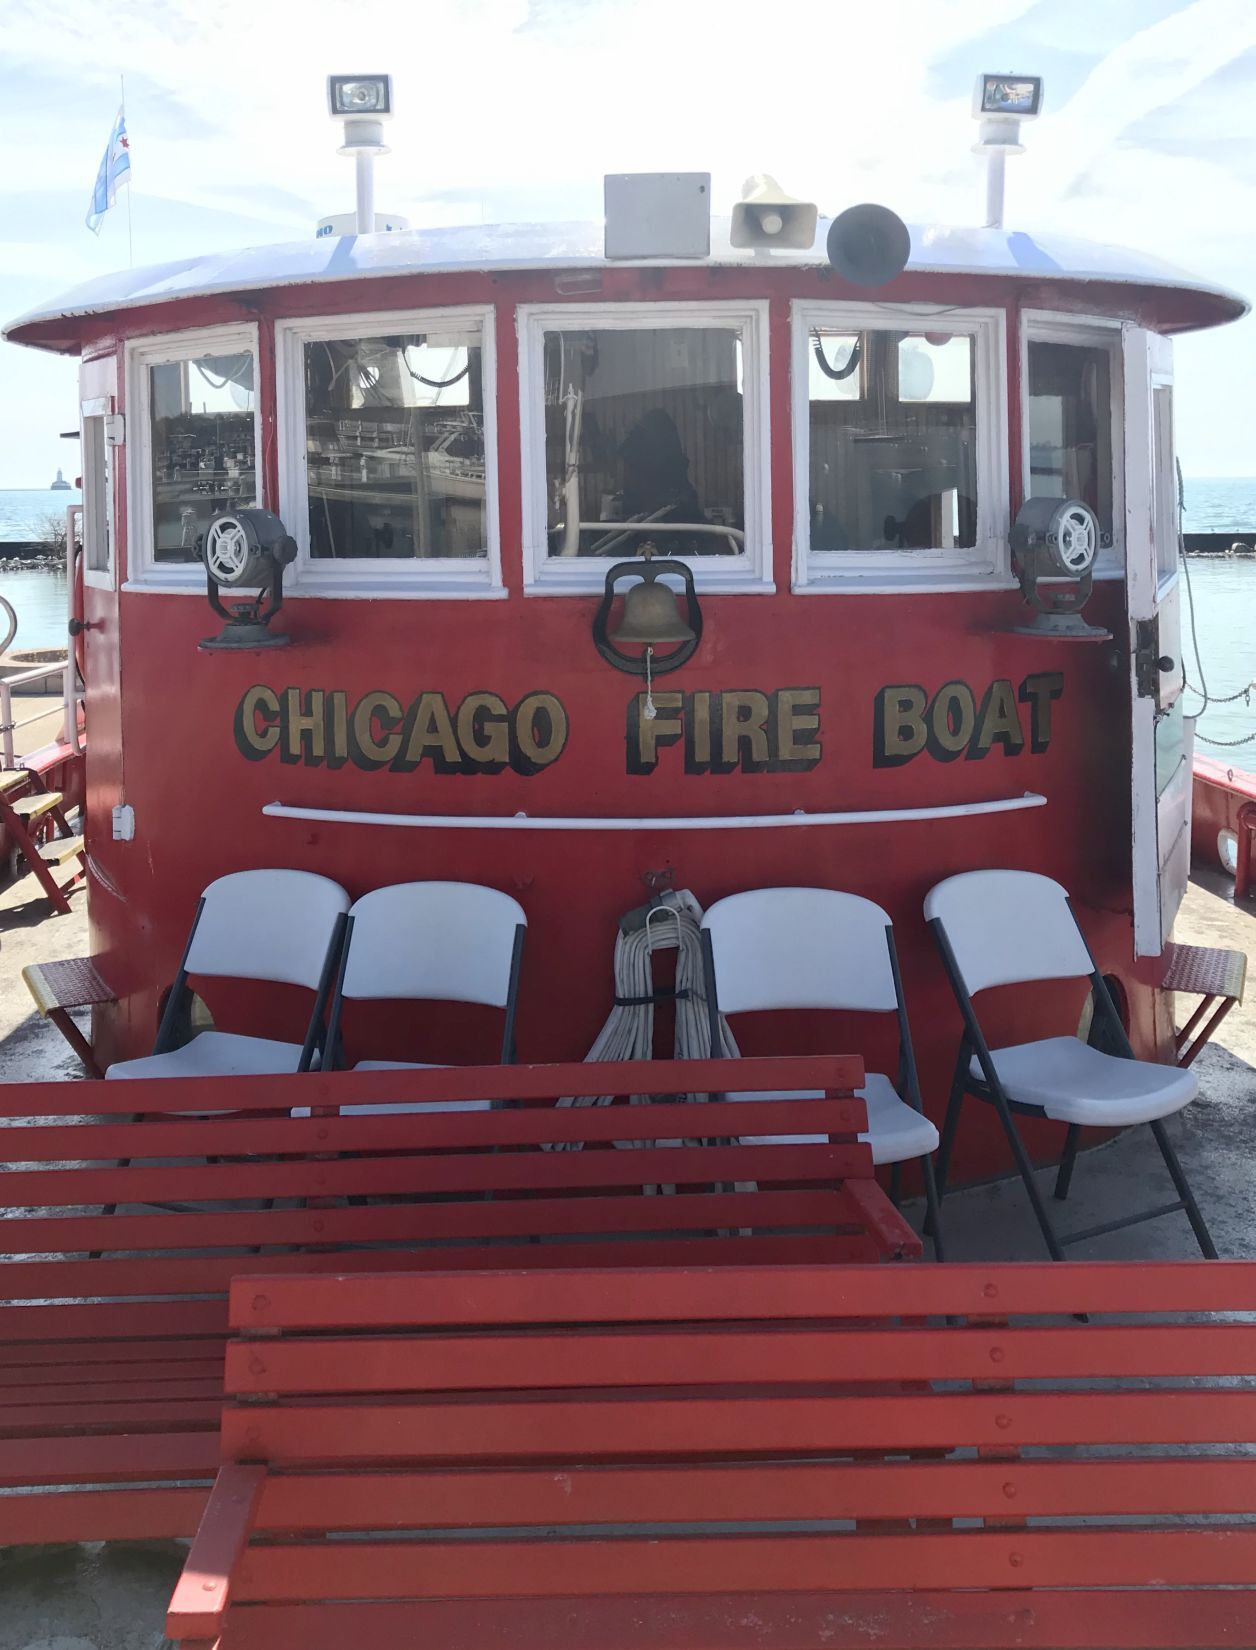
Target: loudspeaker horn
column 766, row 216
column 868, row 245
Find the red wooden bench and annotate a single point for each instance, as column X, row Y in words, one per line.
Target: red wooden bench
column 718, row 1459
column 113, row 1324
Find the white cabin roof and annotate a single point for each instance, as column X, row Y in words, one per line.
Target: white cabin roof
column 495, row 247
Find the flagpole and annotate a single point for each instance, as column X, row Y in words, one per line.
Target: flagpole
column 130, row 244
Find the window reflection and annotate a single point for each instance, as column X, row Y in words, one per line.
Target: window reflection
column 201, row 418
column 893, row 420
column 395, row 450
column 1070, row 426
column 643, row 440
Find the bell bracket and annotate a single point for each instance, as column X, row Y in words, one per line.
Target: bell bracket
column 650, row 662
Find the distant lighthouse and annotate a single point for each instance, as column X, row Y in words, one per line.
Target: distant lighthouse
column 60, row 485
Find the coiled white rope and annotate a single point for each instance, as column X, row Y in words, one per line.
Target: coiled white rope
column 674, row 924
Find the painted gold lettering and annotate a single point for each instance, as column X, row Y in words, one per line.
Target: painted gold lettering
column 645, row 735
column 337, row 729
column 538, row 732
column 483, row 732
column 698, row 732
column 998, row 722
column 1037, row 692
column 743, row 722
column 899, row 731
column 366, row 750
column 952, row 718
column 257, row 723
column 429, row 732
column 304, row 727
column 796, row 713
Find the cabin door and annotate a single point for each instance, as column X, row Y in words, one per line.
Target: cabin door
column 1161, row 735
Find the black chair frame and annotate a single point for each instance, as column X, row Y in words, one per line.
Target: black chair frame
column 907, row 1079
column 989, row 1089
column 509, row 1052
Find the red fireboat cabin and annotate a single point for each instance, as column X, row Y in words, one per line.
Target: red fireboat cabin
column 530, row 646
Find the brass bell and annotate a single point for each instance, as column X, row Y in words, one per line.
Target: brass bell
column 650, row 615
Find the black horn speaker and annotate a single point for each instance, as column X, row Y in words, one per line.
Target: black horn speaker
column 868, row 245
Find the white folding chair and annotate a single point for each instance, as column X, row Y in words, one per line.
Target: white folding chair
column 279, row 926
column 1013, row 928
column 816, row 948
column 453, row 942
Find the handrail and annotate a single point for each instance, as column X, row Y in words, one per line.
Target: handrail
column 692, row 822
column 36, row 673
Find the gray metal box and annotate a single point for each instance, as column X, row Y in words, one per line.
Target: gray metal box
column 658, row 214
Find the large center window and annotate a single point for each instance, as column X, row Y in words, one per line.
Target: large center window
column 643, row 427
column 895, row 444
column 389, row 448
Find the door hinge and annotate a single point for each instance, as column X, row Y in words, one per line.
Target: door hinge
column 115, row 429
column 1149, row 663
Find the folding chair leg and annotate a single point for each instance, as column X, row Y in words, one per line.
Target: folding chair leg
column 1027, row 1176
column 933, row 1218
column 1064, row 1175
column 951, row 1122
column 1183, row 1188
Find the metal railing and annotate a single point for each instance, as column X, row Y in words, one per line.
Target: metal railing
column 69, row 733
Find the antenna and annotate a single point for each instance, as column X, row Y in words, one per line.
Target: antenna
column 1001, row 102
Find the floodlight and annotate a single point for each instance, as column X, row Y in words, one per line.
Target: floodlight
column 359, row 94
column 1008, row 96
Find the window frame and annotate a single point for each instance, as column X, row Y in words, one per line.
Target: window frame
column 98, row 410
column 144, row 571
column 984, row 566
column 1048, row 326
column 747, row 574
column 367, row 577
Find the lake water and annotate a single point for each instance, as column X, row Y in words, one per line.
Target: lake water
column 24, row 512
column 1224, row 593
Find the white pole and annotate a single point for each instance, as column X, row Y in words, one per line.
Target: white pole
column 995, row 162
column 364, row 160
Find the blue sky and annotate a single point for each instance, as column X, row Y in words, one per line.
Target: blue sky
column 513, row 109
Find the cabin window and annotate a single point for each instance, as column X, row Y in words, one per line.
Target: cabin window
column 642, row 425
column 194, row 399
column 388, row 451
column 1072, row 376
column 1070, row 426
column 897, row 418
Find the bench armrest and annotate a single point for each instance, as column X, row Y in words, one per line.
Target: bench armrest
column 891, row 1233
column 203, row 1591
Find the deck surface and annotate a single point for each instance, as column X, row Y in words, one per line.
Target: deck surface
column 87, row 1598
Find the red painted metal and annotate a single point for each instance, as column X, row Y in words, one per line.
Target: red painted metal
column 117, row 1391
column 676, row 1410
column 179, row 704
column 1176, row 1619
column 956, row 1290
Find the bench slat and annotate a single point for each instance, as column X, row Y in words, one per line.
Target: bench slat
column 625, row 1566
column 1065, row 1620
column 444, row 1175
column 801, row 1490
column 568, row 1429
column 230, row 1136
column 121, row 1454
column 833, row 1074
column 117, row 1514
column 690, row 1295
column 155, row 1275
column 681, row 1357
column 750, row 1491
column 518, row 1217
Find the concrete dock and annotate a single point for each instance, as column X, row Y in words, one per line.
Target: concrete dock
column 97, row 1598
